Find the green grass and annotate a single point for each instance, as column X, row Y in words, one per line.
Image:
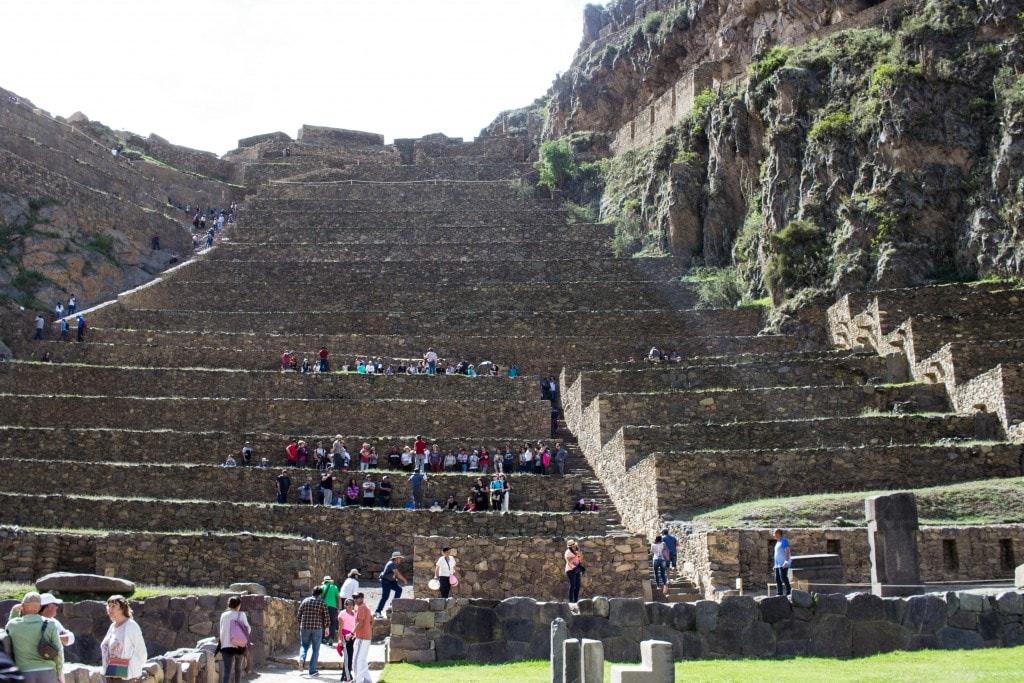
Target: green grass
column 995, row 501
column 995, row 664
column 10, row 590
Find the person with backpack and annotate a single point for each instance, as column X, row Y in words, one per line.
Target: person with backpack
column 234, row 639
column 26, row 633
column 329, row 594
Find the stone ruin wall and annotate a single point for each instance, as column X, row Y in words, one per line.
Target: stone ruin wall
column 714, row 559
column 288, row 567
column 358, row 534
column 530, row 493
column 500, row 568
column 855, row 625
column 170, row 623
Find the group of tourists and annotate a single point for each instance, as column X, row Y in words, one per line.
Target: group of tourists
column 368, row 365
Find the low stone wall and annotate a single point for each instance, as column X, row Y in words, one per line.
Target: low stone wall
column 531, row 493
column 857, row 625
column 288, row 567
column 716, row 558
column 367, row 536
column 504, row 567
column 297, row 416
column 170, row 623
column 690, row 480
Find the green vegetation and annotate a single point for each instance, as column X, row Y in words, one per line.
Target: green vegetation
column 799, row 259
column 774, row 60
column 837, row 125
column 993, row 665
column 717, row 287
column 995, row 501
column 700, row 113
column 103, row 245
column 557, row 164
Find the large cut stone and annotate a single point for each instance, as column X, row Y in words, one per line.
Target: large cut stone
column 449, row 648
column 865, row 607
column 474, row 625
column 775, row 609
column 494, row 652
column 831, row 636
column 959, row 639
column 72, row 582
column 626, row 612
column 872, row 638
column 706, row 615
column 517, row 608
column 757, row 640
column 925, row 614
column 737, row 610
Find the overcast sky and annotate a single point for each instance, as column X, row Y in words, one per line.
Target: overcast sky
column 204, row 73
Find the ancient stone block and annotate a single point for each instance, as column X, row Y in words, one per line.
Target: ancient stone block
column 706, row 615
column 737, row 609
column 450, row 647
column 775, row 608
column 959, row 639
column 658, row 613
column 831, row 636
column 517, row 608
column 656, row 665
column 865, row 607
column 595, row 627
column 757, row 640
column 493, row 652
column 572, row 671
column 73, row 582
column 1010, row 602
column 963, row 620
column 925, row 614
column 892, row 527
column 474, row 625
column 832, row 603
column 684, row 616
column 626, row 612
column 592, row 660
column 870, row 638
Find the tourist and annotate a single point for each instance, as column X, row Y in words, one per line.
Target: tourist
column 444, row 570
column 247, row 454
column 474, row 461
column 350, row 585
column 671, row 545
column 313, row 627
column 450, row 503
column 470, row 505
column 322, row 355
column 508, row 461
column 364, row 457
column 301, row 454
column 72, row 304
column 284, row 482
column 231, row 635
column 48, row 610
column 384, row 489
column 347, row 641
column 40, row 323
column 292, row 453
column 416, row 480
column 434, row 458
column 449, row 460
column 26, row 632
column 394, row 458
column 560, row 456
column 480, row 495
column 363, row 636
column 497, row 492
column 352, row 492
column 123, row 649
column 264, row 464
column 389, row 581
column 435, row 506
column 229, row 461
column 406, row 459
column 63, row 330
column 369, row 489
column 327, row 481
column 320, row 459
column 782, row 557
column 581, row 505
column 305, row 493
column 659, row 558
column 573, row 569
column 506, row 494
column 329, row 592
column 431, row 357
column 485, row 460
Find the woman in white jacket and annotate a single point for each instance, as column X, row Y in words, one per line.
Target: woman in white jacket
column 123, row 648
column 232, row 653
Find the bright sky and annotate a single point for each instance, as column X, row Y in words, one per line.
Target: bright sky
column 204, row 73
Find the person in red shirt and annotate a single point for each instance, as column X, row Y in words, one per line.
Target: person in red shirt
column 292, row 452
column 322, row 355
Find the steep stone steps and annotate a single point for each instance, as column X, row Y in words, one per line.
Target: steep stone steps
column 402, row 200
column 440, row 173
column 531, row 493
column 42, row 378
column 192, row 446
column 340, row 193
column 438, row 418
column 873, row 430
column 328, row 222
column 606, row 414
column 921, row 336
column 323, row 296
column 690, row 481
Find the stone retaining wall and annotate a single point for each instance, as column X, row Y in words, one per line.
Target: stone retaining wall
column 285, row 566
column 504, row 567
column 716, row 558
column 170, row 623
column 531, row 493
column 818, row 625
column 367, row 536
column 297, row 416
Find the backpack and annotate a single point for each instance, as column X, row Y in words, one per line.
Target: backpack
column 239, row 634
column 7, row 643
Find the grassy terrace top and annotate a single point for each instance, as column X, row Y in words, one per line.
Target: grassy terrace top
column 996, row 501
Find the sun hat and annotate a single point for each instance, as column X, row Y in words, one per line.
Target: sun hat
column 49, row 599
column 397, row 553
column 434, row 584
column 354, row 572
column 328, row 578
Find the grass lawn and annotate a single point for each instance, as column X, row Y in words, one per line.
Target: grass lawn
column 997, row 664
column 992, row 501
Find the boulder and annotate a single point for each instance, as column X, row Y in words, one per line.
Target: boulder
column 865, row 607
column 775, row 609
column 925, row 614
column 251, row 588
column 959, row 639
column 71, row 582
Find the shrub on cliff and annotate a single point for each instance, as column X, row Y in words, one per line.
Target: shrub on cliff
column 799, row 259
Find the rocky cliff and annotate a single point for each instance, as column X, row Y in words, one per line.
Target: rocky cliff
column 77, row 219
column 831, row 146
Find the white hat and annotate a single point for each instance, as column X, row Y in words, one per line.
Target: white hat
column 49, row 599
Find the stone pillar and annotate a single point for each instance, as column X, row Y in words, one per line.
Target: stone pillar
column 892, row 535
column 571, row 661
column 592, row 661
column 558, row 633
